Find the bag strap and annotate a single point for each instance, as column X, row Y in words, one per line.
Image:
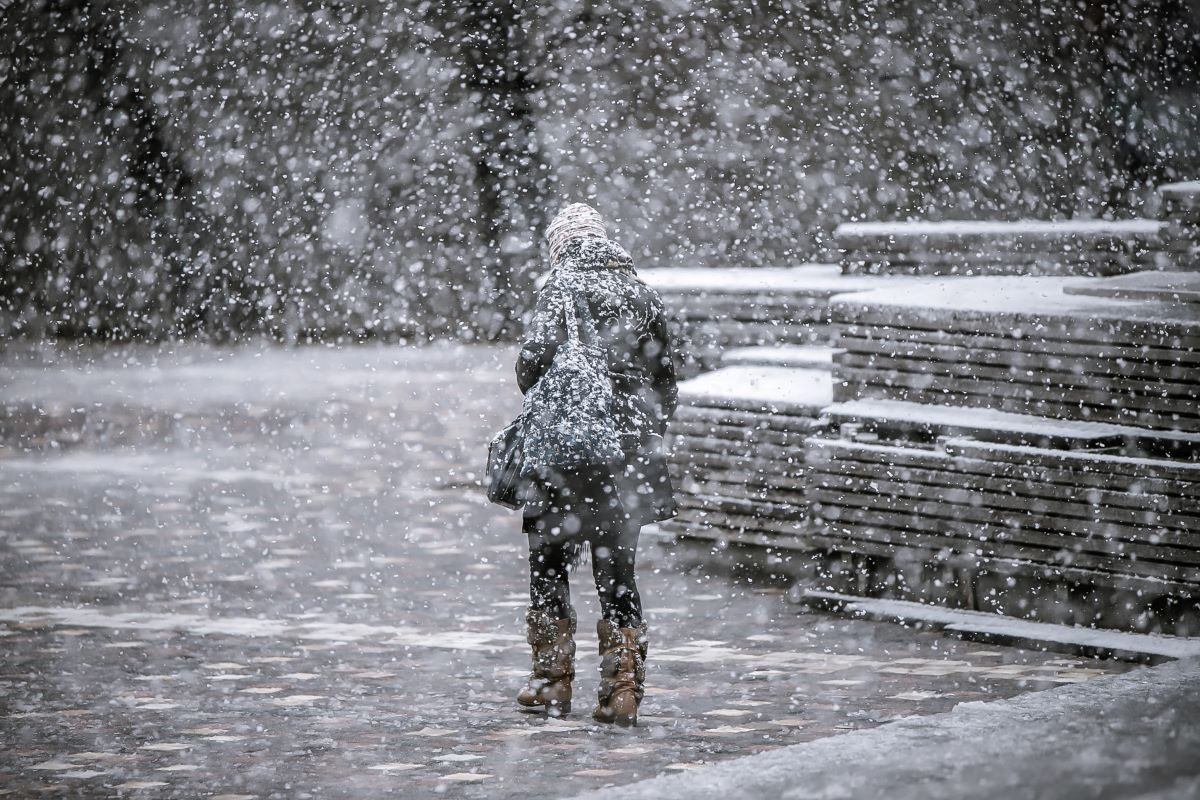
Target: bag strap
column 586, row 323
column 581, row 316
column 577, row 318
column 569, row 320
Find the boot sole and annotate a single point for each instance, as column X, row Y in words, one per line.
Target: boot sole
column 555, row 710
column 620, row 722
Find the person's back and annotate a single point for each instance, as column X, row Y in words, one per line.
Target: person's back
column 631, row 325
column 606, row 505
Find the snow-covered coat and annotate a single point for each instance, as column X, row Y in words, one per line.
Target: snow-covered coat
column 631, row 326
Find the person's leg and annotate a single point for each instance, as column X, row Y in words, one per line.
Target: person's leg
column 549, row 559
column 621, row 632
column 550, row 621
column 614, row 560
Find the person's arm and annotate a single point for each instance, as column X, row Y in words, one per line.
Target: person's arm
column 545, row 333
column 663, row 364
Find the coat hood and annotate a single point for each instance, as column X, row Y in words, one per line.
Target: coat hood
column 593, row 253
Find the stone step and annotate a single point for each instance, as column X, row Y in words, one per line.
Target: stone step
column 1022, row 247
column 1025, row 346
column 716, row 310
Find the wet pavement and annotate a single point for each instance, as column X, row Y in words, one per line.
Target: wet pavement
column 271, row 573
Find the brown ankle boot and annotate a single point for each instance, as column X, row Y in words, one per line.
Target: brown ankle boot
column 553, row 644
column 622, row 673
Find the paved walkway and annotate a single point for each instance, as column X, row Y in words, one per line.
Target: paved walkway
column 271, row 574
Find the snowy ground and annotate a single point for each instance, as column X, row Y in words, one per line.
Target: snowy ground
column 268, row 573
column 1134, row 736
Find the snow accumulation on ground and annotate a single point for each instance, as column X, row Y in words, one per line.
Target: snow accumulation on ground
column 807, row 278
column 1025, row 227
column 1020, row 295
column 1134, row 735
column 782, row 386
column 206, row 625
column 184, row 377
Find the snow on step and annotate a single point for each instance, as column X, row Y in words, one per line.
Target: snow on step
column 995, row 297
column 805, row 356
column 966, row 621
column 773, row 388
column 1152, row 285
column 989, row 422
column 806, row 278
column 1023, row 247
column 1181, row 192
column 1187, row 187
column 1151, row 467
column 1020, row 228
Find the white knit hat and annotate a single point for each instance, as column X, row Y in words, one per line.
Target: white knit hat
column 576, row 221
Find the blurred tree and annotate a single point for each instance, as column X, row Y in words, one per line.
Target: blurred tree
column 307, row 169
column 497, row 63
column 93, row 200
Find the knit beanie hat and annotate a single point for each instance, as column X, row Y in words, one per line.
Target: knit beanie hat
column 576, row 221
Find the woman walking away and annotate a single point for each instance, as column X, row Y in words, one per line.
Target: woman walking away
column 593, row 296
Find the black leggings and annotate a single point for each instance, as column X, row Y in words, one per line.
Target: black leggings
column 584, row 510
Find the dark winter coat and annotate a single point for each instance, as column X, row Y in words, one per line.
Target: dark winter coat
column 631, row 325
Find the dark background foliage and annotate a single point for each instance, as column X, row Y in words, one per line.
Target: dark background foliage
column 302, row 169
